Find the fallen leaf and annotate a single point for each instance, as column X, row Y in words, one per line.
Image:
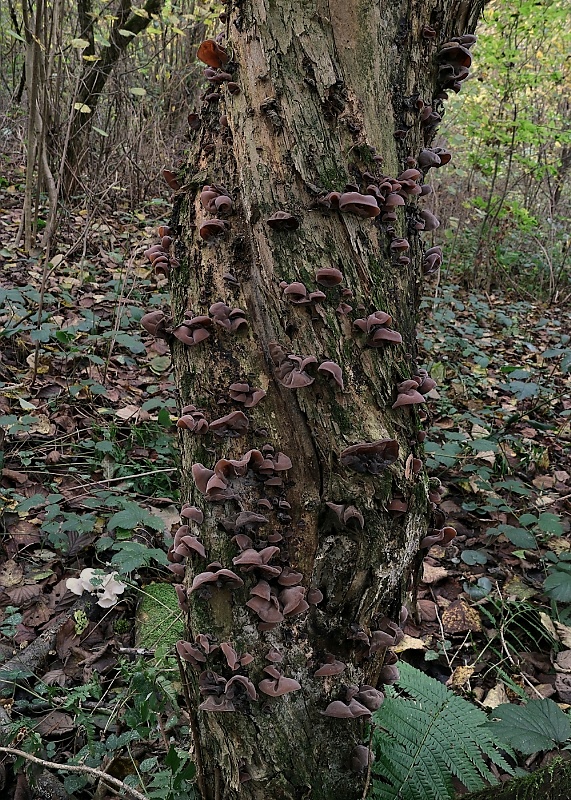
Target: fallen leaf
column 409, row 643
column 564, row 633
column 460, row 677
column 427, row 610
column 54, row 724
column 431, row 574
column 11, row 574
column 37, row 614
column 547, row 623
column 516, row 587
column 19, row 477
column 22, row 594
column 460, row 618
column 563, row 661
column 563, row 687
column 497, row 696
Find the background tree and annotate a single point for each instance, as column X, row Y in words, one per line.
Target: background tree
column 318, row 99
column 504, row 206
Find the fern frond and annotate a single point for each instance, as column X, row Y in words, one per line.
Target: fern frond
column 424, row 735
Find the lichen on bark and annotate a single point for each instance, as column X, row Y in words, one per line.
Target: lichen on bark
column 322, row 91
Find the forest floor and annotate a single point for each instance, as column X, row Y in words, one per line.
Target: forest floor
column 87, row 413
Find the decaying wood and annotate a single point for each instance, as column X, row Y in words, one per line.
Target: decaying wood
column 323, row 88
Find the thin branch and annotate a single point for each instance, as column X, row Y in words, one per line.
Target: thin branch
column 95, row 773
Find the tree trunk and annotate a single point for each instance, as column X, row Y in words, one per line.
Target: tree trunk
column 95, row 76
column 323, row 89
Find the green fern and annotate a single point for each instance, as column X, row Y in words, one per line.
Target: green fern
column 424, row 735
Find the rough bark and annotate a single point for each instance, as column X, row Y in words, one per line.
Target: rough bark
column 324, row 86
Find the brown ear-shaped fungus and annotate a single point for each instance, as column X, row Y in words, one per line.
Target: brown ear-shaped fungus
column 177, row 569
column 432, row 260
column 330, row 200
column 283, row 221
column 188, row 545
column 389, row 674
column 388, row 635
column 341, row 710
column 314, row 596
column 347, row 513
column 213, row 54
column 274, row 655
column 201, row 475
column 328, row 276
column 220, row 313
column 193, row 420
column 454, row 53
column 290, row 369
column 268, row 610
column 232, row 425
column 428, row 158
column 408, row 394
column 411, row 174
column 212, row 228
column 371, row 457
column 377, row 330
column 193, row 330
column 431, row 223
column 397, row 505
column 193, row 513
column 361, row 758
column 244, row 393
column 443, row 537
column 216, row 575
column 191, row 653
column 363, row 205
column 155, row 323
column 213, row 703
column 289, row 577
column 182, row 597
column 392, row 200
column 279, row 686
column 370, row 697
column 358, row 709
column 425, row 383
column 296, row 293
column 400, row 245
column 243, row 682
column 293, row 601
column 338, row 709
column 170, row 178
column 332, row 369
column 331, row 667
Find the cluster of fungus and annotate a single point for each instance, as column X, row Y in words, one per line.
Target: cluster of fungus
column 455, row 59
column 215, row 200
column 262, row 565
column 230, row 426
column 159, row 254
column 413, row 391
column 215, row 484
column 197, row 328
column 291, row 370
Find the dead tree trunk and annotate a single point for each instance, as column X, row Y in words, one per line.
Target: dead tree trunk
column 327, row 97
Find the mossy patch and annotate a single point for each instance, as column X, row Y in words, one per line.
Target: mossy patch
column 159, row 620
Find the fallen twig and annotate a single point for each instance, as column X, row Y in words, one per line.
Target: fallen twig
column 81, row 769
